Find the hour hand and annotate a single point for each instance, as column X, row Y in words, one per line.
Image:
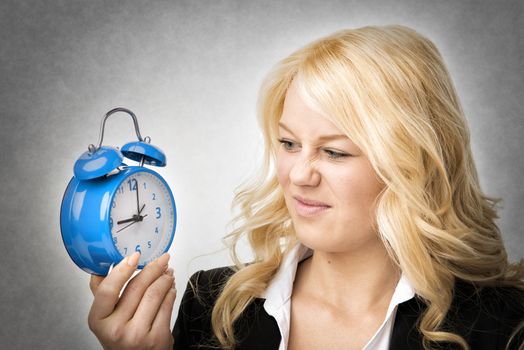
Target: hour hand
column 134, row 218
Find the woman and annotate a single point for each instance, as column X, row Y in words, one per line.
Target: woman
column 367, row 222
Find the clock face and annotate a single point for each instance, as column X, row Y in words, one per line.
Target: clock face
column 142, row 216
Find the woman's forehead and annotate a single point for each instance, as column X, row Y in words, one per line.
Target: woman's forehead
column 301, row 110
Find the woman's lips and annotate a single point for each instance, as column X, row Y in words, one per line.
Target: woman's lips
column 307, row 207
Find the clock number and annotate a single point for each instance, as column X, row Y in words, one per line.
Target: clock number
column 111, row 224
column 115, row 240
column 137, row 249
column 125, row 250
column 149, row 244
column 156, row 230
column 154, row 196
column 132, row 184
column 120, row 190
column 158, row 213
column 145, row 187
column 113, row 205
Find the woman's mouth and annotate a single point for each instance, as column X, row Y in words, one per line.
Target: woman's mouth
column 308, row 207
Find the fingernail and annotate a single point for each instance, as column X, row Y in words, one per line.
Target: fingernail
column 133, row 259
column 162, row 261
column 169, row 271
column 173, row 286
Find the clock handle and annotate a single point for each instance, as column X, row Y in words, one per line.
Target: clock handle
column 92, row 147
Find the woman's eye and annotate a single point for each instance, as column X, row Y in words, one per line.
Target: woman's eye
column 288, row 145
column 335, row 155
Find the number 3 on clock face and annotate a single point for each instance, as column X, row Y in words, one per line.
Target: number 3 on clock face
column 141, row 216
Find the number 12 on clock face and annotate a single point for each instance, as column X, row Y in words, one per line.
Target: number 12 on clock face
column 141, row 216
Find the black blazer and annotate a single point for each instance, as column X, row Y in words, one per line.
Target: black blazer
column 485, row 318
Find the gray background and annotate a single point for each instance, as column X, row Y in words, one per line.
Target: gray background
column 190, row 70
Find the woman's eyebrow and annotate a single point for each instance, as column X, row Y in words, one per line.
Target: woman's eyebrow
column 283, row 126
column 321, row 138
column 333, row 137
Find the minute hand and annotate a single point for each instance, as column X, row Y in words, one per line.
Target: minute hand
column 137, row 199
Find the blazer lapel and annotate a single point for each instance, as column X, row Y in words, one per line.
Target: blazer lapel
column 405, row 335
column 257, row 329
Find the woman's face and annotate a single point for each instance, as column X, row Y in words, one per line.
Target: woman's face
column 329, row 185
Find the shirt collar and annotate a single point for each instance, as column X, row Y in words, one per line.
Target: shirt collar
column 281, row 286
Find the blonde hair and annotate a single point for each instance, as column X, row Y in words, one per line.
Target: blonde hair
column 388, row 89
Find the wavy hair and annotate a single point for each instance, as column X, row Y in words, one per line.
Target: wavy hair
column 387, row 88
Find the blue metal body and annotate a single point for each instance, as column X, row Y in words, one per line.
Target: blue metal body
column 84, row 220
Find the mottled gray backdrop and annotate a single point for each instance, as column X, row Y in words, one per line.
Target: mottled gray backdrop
column 190, row 70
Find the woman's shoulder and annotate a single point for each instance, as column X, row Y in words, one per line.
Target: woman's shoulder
column 213, row 276
column 486, row 313
column 210, row 282
column 204, row 286
column 485, row 316
column 496, row 300
column 192, row 328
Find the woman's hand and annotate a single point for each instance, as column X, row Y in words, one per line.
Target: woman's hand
column 140, row 317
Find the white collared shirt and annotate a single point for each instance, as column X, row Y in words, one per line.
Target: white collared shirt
column 278, row 300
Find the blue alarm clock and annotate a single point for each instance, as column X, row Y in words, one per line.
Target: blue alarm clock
column 111, row 209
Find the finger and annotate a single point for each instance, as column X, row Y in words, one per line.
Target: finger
column 108, row 291
column 95, row 282
column 138, row 285
column 153, row 297
column 163, row 317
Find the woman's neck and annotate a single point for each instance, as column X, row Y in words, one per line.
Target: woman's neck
column 360, row 279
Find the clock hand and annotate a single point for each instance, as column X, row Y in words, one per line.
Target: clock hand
column 137, row 200
column 126, row 220
column 134, row 222
column 136, row 218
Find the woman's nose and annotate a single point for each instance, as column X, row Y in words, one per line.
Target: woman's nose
column 304, row 173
